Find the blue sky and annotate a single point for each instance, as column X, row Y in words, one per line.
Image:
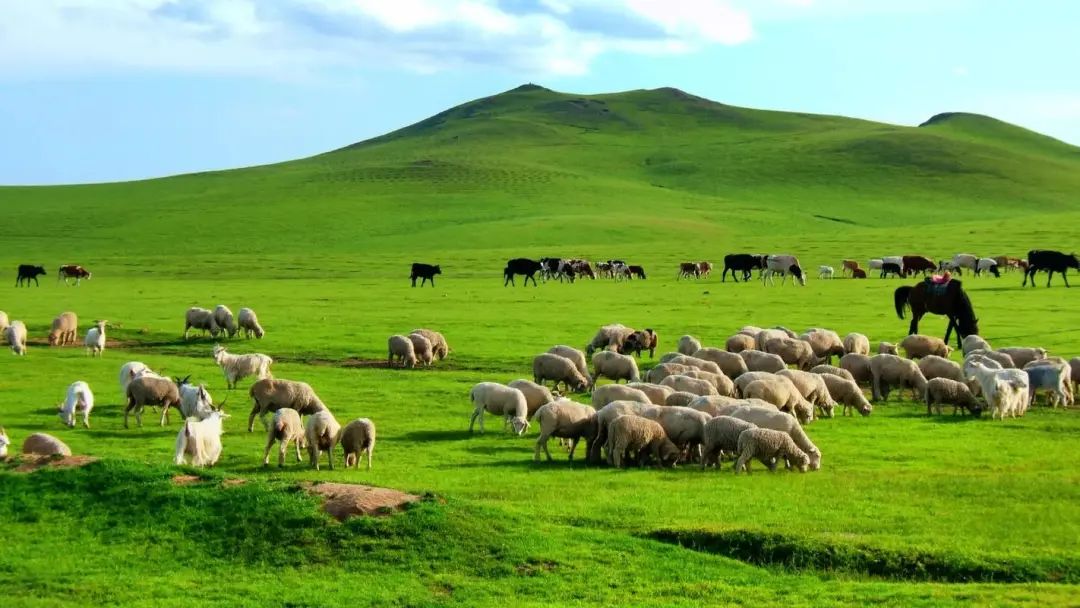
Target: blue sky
column 104, row 90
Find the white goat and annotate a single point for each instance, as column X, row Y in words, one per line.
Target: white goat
column 201, row 440
column 238, row 367
column 1006, row 390
column 95, row 339
column 195, row 401
column 79, row 399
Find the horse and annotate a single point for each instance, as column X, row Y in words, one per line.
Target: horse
column 948, row 299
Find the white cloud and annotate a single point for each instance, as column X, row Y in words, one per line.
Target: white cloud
column 294, row 37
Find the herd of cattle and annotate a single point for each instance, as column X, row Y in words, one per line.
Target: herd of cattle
column 30, row 272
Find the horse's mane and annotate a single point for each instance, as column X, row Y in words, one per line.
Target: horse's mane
column 965, row 313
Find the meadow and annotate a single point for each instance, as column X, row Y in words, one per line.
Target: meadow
column 906, row 510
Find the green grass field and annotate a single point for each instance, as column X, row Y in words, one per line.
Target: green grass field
column 906, row 510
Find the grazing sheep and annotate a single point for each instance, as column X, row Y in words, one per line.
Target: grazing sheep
column 684, row 426
column 769, row 446
column 1021, row 356
column 422, row 349
column 1052, row 378
column 270, row 395
column 730, row 364
column 722, row 435
column 848, row 393
column 769, row 418
column 608, row 336
column 688, row 345
column 891, row 370
column 1006, row 390
column 1003, row 360
column 151, row 390
column 502, row 401
column 4, row 321
column 195, row 401
column 1049, row 360
column 95, row 339
column 604, row 395
column 439, row 347
column 536, row 395
column 831, row 370
column 717, row 405
column 690, row 385
column 750, row 330
column 15, row 335
column 630, row 433
column 813, row 389
column 201, row 319
column 744, row 380
column 720, row 382
column 887, row 348
column 917, row 346
column 694, row 362
column 765, row 335
column 933, row 366
column 400, row 347
column 79, row 399
column 858, row 366
column 784, row 395
column 657, row 393
column 223, row 317
column 564, row 419
column 739, row 342
column 614, row 366
column 973, row 342
column 238, row 367
column 574, row 355
column 856, row 343
column 547, row 366
column 248, row 321
column 284, row 427
column 758, row 361
column 321, row 434
column 43, row 444
column 4, row 443
column 983, row 357
column 201, row 440
column 681, row 398
column 357, row 438
column 793, row 352
column 131, row 370
column 824, row 343
column 604, row 417
column 945, row 390
column 663, row 370
column 65, row 329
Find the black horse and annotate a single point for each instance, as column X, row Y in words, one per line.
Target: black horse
column 948, row 299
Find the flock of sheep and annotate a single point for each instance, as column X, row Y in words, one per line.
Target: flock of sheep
column 700, row 403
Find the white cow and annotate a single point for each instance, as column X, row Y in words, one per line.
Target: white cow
column 783, row 265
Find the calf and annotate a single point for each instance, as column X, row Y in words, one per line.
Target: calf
column 849, row 266
column 914, row 264
column 704, row 268
column 637, row 271
column 29, row 272
column 688, row 269
column 424, row 272
column 888, row 268
column 522, row 266
column 72, row 271
column 741, row 262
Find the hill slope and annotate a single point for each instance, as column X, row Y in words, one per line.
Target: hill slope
column 533, row 167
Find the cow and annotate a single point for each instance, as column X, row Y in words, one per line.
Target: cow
column 424, row 272
column 637, row 271
column 914, row 264
column 858, row 273
column 1008, row 263
column 888, row 268
column 783, row 265
column 704, row 268
column 522, row 266
column 549, row 267
column 741, row 262
column 604, row 269
column 583, row 269
column 620, row 271
column 686, row 269
column 72, row 271
column 849, row 266
column 1051, row 262
column 29, row 272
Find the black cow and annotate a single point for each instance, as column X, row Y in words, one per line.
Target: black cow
column 523, row 266
column 744, row 262
column 28, row 272
column 891, row 268
column 1051, row 262
column 637, row 271
column 424, row 272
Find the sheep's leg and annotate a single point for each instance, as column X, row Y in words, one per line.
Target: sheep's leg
column 370, row 450
column 743, row 463
column 251, row 417
column 165, row 414
column 472, row 420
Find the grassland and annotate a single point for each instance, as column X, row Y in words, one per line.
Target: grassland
column 907, row 510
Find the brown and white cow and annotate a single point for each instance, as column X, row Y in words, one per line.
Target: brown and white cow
column 72, row 271
column 704, row 268
column 688, row 269
column 850, row 266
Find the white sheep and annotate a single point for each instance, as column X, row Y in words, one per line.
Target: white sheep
column 657, row 393
column 502, row 401
column 95, row 339
column 948, row 391
column 688, row 384
column 440, row 348
column 769, row 446
column 536, row 395
column 783, row 394
column 131, row 370
column 663, row 370
column 825, row 272
column 4, row 321
column 612, row 365
column 201, row 319
column 4, row 443
column 401, row 348
column 891, row 370
column 684, row 426
column 422, row 349
column 195, row 401
column 285, row 427
column 824, row 343
column 248, row 321
column 604, row 417
column 722, row 435
column 1006, row 390
column 321, row 434
column 65, row 328
column 200, row 440
column 15, row 335
column 793, row 352
column 690, row 361
column 933, row 366
column 688, row 345
column 564, row 419
column 887, row 348
column 574, row 355
column 270, row 395
column 223, row 317
column 769, row 418
column 765, row 335
column 357, row 438
column 79, row 399
column 1022, row 355
column 43, row 444
column 722, row 384
column 856, row 343
column 744, row 380
column 603, row 395
column 739, row 342
column 1051, row 378
column 830, row 370
column 643, row 437
column 758, row 361
column 848, row 393
column 238, row 367
column 548, row 366
column 917, row 346
column 681, row 398
column 974, row 342
column 717, row 405
column 858, row 366
column 1003, row 360
column 731, row 364
column 813, row 389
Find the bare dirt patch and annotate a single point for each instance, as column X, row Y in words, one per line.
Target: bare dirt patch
column 30, row 463
column 185, row 480
column 345, row 500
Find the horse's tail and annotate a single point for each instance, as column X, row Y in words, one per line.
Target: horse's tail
column 900, row 297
